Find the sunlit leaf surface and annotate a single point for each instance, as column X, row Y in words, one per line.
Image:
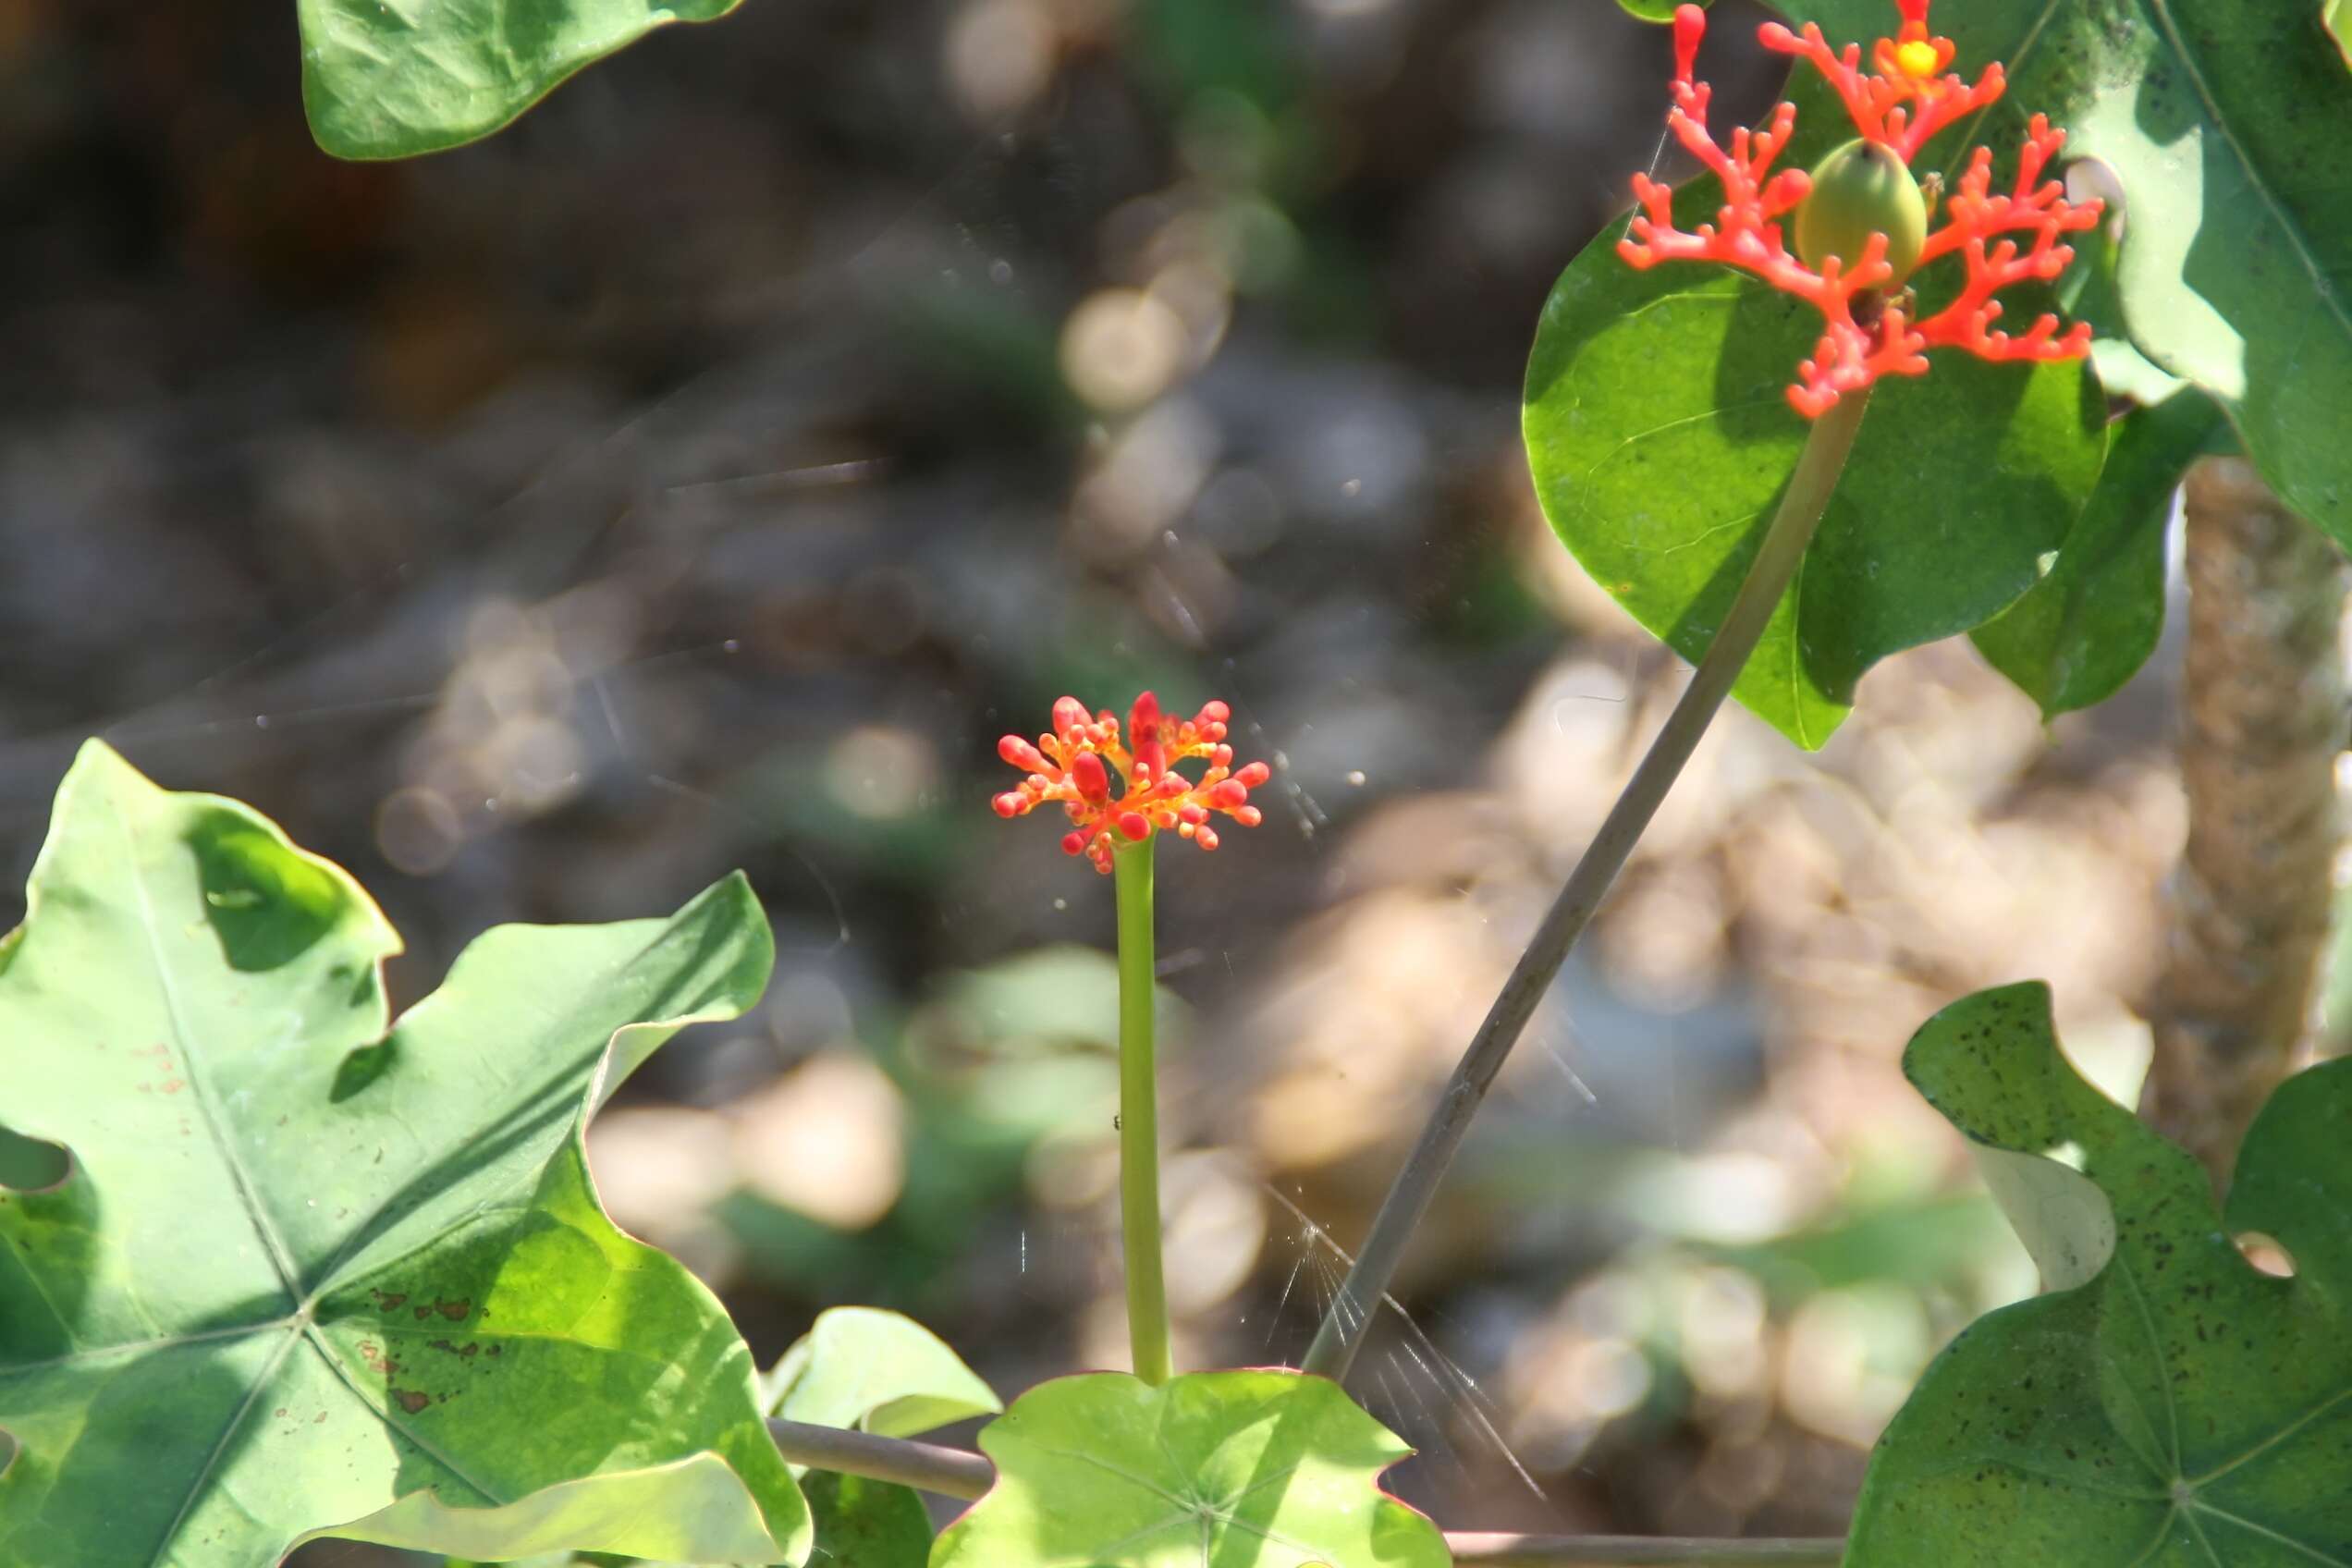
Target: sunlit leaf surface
column 309, row 1276
column 2176, row 1406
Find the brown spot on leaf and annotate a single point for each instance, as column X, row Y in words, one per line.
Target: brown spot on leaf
column 412, row 1400
column 387, row 1299
column 455, row 1311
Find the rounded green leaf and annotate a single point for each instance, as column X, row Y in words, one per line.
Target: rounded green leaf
column 2170, row 1404
column 2225, row 123
column 880, row 1371
column 1660, row 438
column 2089, row 626
column 311, row 1276
column 1250, row 1469
column 392, row 78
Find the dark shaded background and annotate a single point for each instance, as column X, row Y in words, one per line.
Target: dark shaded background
column 707, row 471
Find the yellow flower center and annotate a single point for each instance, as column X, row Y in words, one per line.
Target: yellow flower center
column 1916, row 57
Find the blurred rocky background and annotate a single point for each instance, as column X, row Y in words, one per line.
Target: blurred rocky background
column 706, row 471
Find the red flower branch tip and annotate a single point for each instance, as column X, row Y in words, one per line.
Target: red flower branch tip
column 1872, row 326
column 1076, row 764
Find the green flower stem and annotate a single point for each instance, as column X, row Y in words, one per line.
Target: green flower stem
column 1818, row 468
column 951, row 1472
column 1139, row 1118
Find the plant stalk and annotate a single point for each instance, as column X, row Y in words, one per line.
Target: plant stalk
column 2262, row 702
column 1349, row 1317
column 1139, row 1118
column 951, row 1472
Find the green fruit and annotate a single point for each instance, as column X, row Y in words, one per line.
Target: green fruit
column 1861, row 189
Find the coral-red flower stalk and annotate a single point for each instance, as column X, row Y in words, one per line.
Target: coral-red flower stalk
column 1870, row 328
column 1076, row 765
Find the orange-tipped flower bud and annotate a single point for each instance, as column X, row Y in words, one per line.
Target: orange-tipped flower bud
column 1119, row 794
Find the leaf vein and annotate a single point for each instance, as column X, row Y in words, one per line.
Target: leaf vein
column 280, row 1258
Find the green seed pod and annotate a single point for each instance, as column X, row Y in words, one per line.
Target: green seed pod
column 1861, row 189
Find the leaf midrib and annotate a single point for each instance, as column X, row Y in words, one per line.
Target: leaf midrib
column 273, row 1244
column 248, row 1195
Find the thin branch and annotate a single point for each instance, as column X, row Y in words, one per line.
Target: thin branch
column 1777, row 558
column 951, row 1472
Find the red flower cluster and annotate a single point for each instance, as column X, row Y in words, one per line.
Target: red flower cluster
column 1077, row 764
column 1899, row 106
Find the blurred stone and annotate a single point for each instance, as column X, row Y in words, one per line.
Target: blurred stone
column 827, row 1140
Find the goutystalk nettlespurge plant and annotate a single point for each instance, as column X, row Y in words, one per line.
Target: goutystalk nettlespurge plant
column 1074, row 767
column 1872, row 328
column 308, row 1270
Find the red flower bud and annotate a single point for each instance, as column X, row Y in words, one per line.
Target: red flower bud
column 1117, row 792
column 1143, row 734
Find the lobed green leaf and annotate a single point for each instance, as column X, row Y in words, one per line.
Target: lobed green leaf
column 1248, row 1469
column 393, row 79
column 309, row 1276
column 2166, row 1402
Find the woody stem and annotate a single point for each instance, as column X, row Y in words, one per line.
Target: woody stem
column 958, row 1472
column 1139, row 1117
column 1345, row 1323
